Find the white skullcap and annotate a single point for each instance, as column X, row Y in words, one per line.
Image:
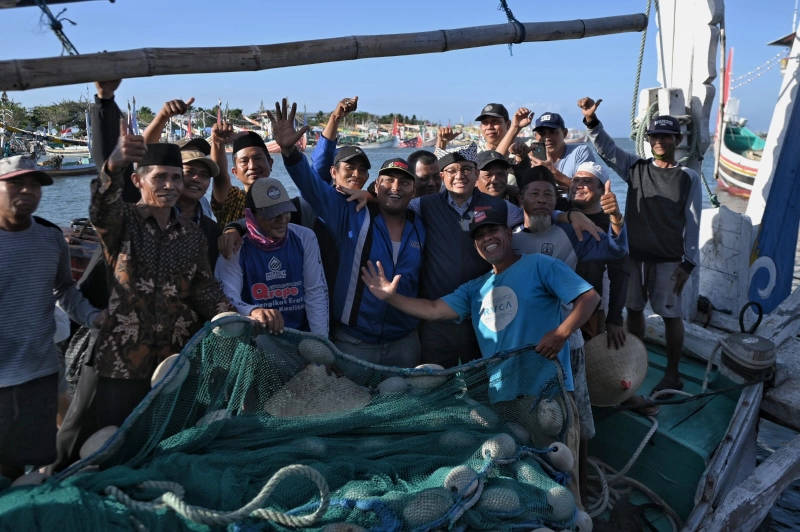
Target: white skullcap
column 594, row 169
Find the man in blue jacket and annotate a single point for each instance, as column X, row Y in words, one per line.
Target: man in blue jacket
column 366, row 327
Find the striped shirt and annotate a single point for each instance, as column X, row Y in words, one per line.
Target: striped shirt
column 35, row 274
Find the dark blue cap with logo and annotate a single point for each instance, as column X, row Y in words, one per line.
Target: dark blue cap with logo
column 664, row 124
column 397, row 164
column 347, row 153
column 551, row 120
column 488, row 157
column 486, row 217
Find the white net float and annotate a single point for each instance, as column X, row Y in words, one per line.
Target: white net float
column 550, row 417
column 97, row 440
column 561, row 457
column 229, row 330
column 422, row 381
column 498, row 447
column 316, row 352
column 499, row 500
column 176, row 379
column 393, row 385
column 583, row 523
column 521, row 433
column 562, row 503
column 428, row 506
column 462, row 481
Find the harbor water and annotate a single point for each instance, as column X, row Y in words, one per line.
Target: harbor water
column 68, row 199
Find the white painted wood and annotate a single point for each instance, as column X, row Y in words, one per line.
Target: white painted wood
column 782, row 403
column 725, row 259
column 783, row 322
column 747, row 504
column 775, row 136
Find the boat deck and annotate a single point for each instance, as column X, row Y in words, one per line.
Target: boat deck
column 676, row 457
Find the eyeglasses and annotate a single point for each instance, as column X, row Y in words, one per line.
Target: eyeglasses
column 464, row 170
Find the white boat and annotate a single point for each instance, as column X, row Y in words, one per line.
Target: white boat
column 392, row 141
column 68, row 151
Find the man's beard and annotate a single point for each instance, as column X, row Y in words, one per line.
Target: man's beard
column 539, row 223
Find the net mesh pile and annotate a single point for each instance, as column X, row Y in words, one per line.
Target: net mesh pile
column 243, row 417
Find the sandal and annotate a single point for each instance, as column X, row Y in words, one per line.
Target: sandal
column 647, row 408
column 667, row 384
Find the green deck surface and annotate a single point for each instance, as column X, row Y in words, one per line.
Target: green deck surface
column 677, row 455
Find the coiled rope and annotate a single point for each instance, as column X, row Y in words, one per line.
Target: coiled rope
column 173, row 498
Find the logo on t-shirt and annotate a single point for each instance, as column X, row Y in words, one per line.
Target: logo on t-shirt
column 547, row 249
column 498, row 308
column 274, row 264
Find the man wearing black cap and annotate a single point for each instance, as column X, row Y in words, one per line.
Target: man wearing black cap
column 517, row 302
column 493, row 170
column 251, row 160
column 450, row 258
column 385, row 231
column 562, row 159
column 162, row 287
column 662, row 213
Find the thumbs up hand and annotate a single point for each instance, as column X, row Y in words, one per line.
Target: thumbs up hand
column 608, row 202
column 129, row 150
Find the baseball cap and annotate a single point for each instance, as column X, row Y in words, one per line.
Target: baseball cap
column 190, row 154
column 396, row 164
column 493, row 109
column 487, row 157
column 450, row 158
column 268, row 198
column 594, row 169
column 21, row 165
column 347, row 153
column 664, row 124
column 551, row 120
column 196, row 143
column 486, row 217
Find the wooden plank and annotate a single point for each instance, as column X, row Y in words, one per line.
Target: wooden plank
column 782, row 403
column 144, row 62
column 783, row 322
column 746, row 505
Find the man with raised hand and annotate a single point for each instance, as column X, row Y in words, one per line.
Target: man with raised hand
column 662, row 210
column 516, row 303
column 387, row 231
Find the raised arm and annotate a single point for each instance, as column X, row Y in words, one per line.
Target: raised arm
column 329, row 204
column 425, row 309
column 172, row 108
column 445, row 135
column 618, row 159
column 322, row 158
column 221, row 134
column 522, row 118
column 107, row 206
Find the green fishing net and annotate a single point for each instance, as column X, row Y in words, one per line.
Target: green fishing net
column 250, row 431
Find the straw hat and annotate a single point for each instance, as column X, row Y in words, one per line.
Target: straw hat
column 614, row 375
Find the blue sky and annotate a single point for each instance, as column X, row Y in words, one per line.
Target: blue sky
column 440, row 87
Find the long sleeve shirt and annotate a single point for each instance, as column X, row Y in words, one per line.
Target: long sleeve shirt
column 288, row 279
column 663, row 206
column 35, row 274
column 162, row 287
column 105, row 134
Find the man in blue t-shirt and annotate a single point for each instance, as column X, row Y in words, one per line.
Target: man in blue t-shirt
column 515, row 304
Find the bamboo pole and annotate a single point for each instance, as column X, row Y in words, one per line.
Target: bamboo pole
column 5, row 4
column 66, row 70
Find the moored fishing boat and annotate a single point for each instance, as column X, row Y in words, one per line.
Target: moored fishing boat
column 68, row 151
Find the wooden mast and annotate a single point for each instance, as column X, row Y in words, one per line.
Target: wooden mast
column 144, row 62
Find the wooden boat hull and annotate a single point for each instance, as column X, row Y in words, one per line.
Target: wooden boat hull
column 76, row 151
column 393, row 142
column 689, row 461
column 738, row 162
column 73, row 170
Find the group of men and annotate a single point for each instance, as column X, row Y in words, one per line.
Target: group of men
column 448, row 257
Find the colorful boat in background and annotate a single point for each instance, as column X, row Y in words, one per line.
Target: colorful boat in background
column 740, row 151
